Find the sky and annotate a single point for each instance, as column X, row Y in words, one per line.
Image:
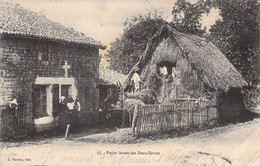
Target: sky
column 102, row 19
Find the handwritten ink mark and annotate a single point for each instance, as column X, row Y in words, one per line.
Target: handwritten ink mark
column 208, row 154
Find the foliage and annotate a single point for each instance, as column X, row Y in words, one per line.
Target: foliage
column 251, row 98
column 237, row 35
column 187, row 16
column 126, row 50
column 138, row 30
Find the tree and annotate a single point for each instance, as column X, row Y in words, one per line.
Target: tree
column 237, row 35
column 126, row 50
column 187, row 16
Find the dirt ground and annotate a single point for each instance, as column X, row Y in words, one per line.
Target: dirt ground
column 229, row 145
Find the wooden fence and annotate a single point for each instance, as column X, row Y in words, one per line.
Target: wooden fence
column 182, row 113
column 16, row 130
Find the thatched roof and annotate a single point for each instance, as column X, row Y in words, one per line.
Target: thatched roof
column 213, row 67
column 16, row 20
column 110, row 77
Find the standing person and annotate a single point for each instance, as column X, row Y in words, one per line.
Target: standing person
column 62, row 113
column 77, row 105
column 76, row 110
column 10, row 115
column 70, row 106
column 137, row 82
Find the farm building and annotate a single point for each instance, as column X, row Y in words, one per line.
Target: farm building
column 41, row 61
column 176, row 66
column 109, row 84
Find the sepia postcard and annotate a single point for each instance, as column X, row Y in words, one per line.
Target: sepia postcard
column 137, row 82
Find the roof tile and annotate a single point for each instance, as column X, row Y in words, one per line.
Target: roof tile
column 17, row 20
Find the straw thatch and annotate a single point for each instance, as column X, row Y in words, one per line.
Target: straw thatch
column 110, row 77
column 206, row 59
column 16, row 20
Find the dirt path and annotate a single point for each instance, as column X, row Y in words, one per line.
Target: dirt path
column 234, row 144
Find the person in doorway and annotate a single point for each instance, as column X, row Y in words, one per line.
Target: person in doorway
column 10, row 117
column 72, row 113
column 77, row 105
column 70, row 103
column 62, row 113
column 75, row 114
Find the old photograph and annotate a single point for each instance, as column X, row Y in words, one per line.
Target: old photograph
column 137, row 82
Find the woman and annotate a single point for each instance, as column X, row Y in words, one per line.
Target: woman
column 63, row 117
column 10, row 115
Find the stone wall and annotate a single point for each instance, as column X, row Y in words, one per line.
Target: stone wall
column 20, row 66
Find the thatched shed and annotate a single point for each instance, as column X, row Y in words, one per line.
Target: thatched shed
column 109, row 81
column 177, row 65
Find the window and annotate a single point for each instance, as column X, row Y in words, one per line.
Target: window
column 44, row 53
column 44, row 94
column 43, row 102
column 167, row 69
column 40, row 100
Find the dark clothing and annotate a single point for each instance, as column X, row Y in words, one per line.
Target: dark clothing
column 73, row 120
column 63, row 121
column 9, row 116
column 63, row 114
column 73, row 116
column 62, row 107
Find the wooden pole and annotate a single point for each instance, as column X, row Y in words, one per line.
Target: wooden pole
column 67, row 131
column 207, row 116
column 123, row 98
column 191, row 111
column 134, row 119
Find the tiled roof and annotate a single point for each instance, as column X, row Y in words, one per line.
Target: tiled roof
column 110, row 77
column 17, row 20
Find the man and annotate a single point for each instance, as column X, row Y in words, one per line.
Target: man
column 72, row 113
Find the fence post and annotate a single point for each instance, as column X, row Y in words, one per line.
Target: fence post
column 123, row 122
column 134, row 121
column 189, row 113
column 192, row 114
column 180, row 119
column 159, row 116
column 207, row 115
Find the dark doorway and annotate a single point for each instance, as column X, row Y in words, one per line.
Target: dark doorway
column 55, row 96
column 65, row 90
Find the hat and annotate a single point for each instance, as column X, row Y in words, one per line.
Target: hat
column 62, row 98
column 14, row 101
